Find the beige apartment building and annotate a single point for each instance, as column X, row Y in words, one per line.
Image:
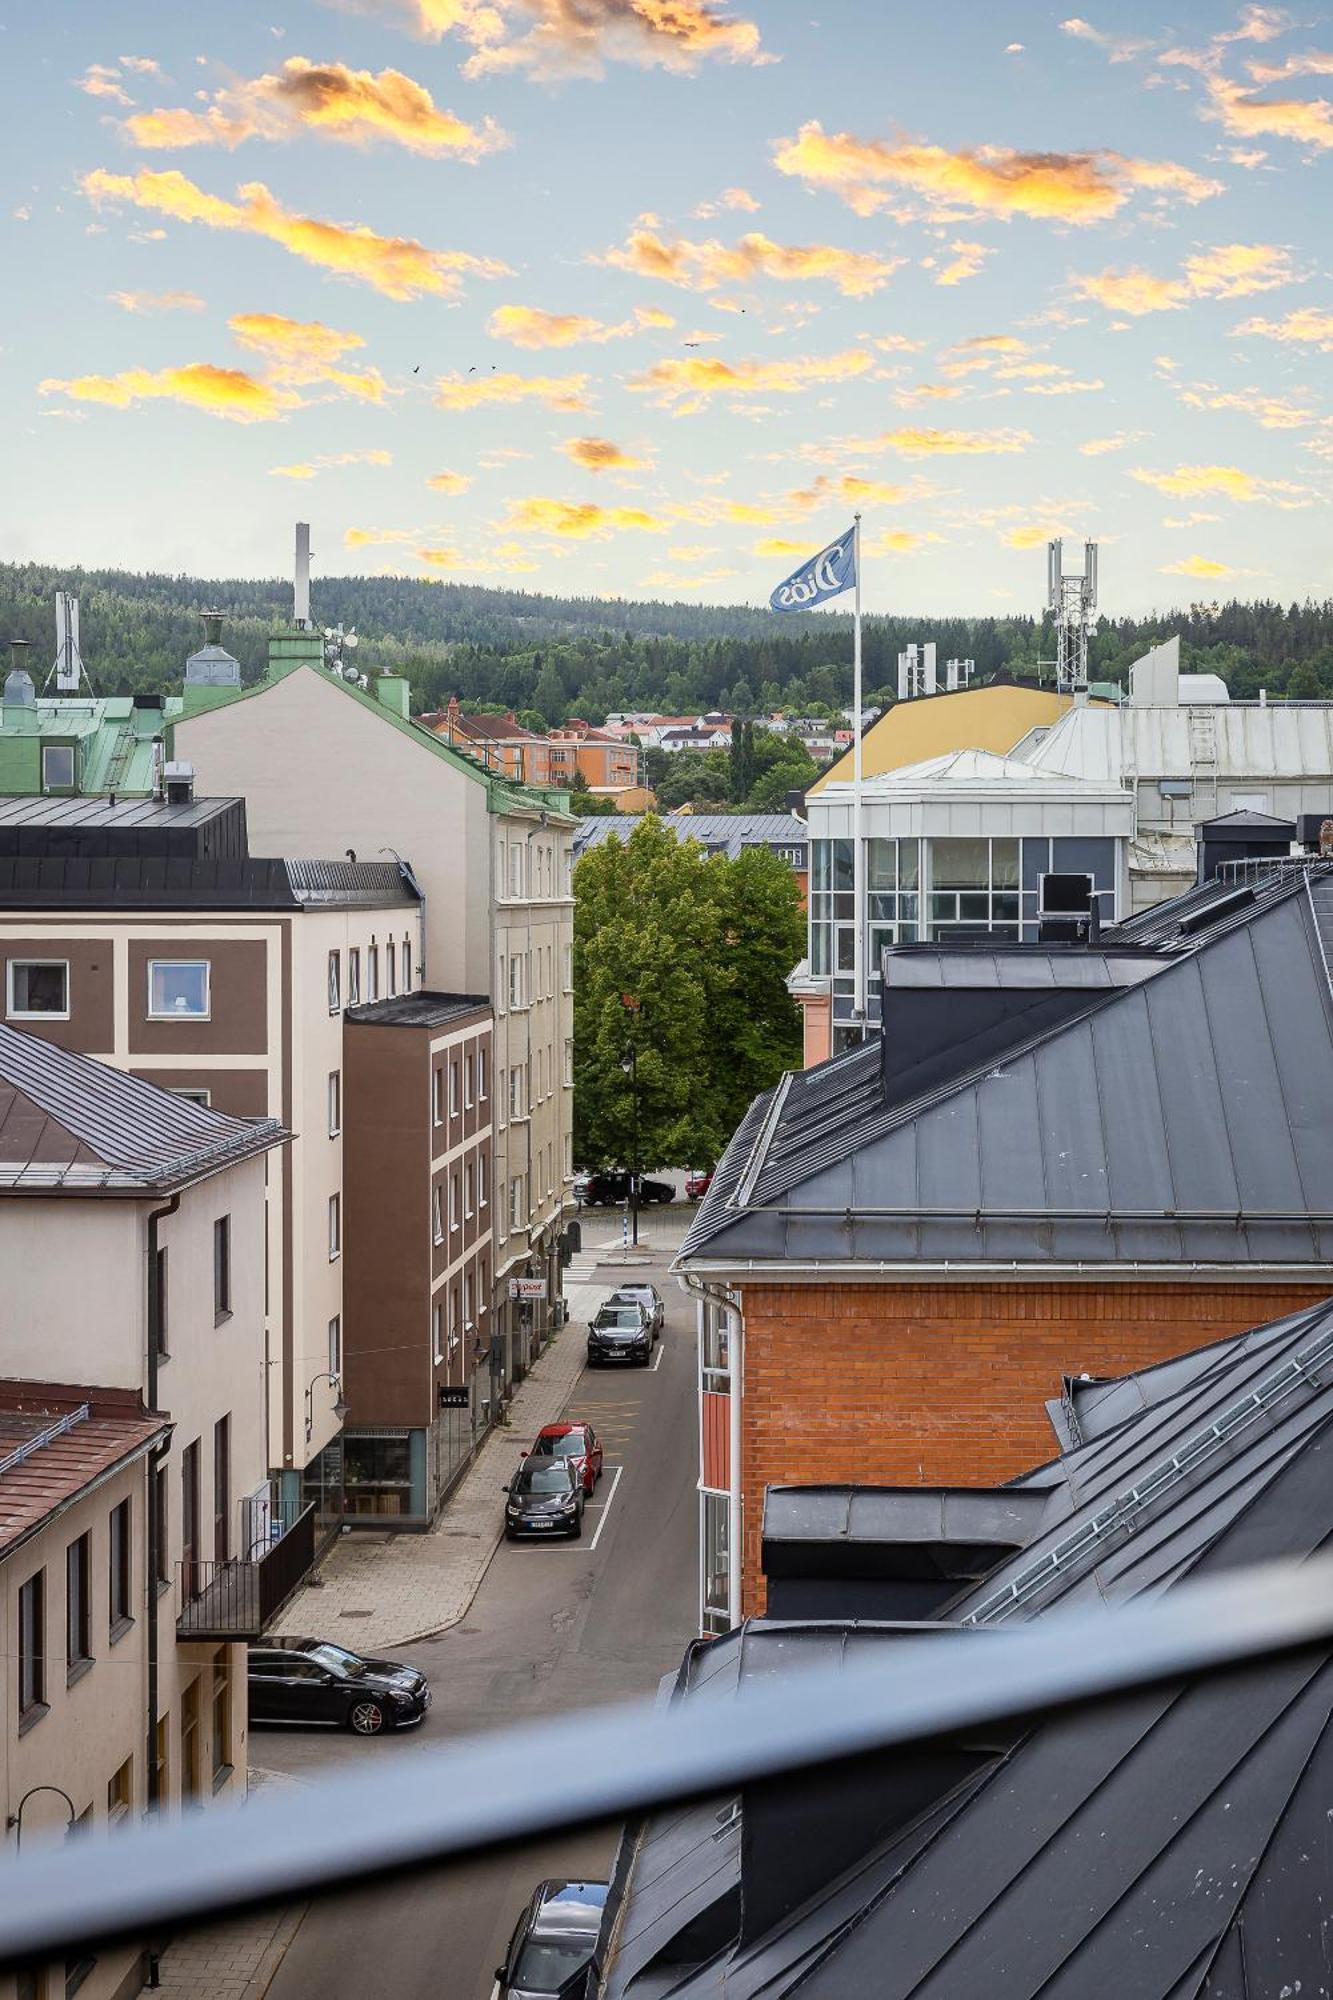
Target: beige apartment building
column 225, row 980
column 329, row 767
column 139, row 1547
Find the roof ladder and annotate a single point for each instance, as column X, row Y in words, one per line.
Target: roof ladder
column 1323, row 928
column 120, row 758
column 1202, row 723
column 45, row 1437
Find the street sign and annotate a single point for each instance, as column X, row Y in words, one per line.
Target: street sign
column 527, row 1288
column 453, row 1398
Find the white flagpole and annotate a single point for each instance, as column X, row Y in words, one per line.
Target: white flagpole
column 858, row 847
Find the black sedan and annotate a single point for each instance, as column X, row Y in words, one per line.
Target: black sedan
column 313, row 1681
column 551, row 1954
column 622, row 1331
column 644, row 1295
column 543, row 1499
column 605, row 1189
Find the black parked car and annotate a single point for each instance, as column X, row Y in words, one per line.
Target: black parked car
column 605, row 1189
column 544, row 1497
column 622, row 1331
column 550, row 1955
column 310, row 1680
column 644, row 1295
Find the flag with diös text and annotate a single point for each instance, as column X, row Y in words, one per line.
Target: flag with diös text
column 826, row 575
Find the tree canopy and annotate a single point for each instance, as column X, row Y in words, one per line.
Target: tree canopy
column 682, row 956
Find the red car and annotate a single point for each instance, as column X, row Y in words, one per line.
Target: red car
column 698, row 1183
column 579, row 1444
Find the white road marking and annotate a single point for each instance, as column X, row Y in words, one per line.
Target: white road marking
column 658, row 1363
column 606, row 1509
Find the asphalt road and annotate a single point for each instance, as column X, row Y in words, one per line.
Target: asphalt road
column 553, row 1628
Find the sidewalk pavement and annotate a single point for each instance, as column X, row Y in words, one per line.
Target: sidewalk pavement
column 234, row 1961
column 376, row 1591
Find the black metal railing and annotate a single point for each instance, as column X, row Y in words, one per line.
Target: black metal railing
column 477, row 1798
column 236, row 1599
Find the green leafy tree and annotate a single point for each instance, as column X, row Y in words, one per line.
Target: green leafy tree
column 695, row 777
column 703, row 946
column 741, row 759
column 769, row 793
column 549, row 695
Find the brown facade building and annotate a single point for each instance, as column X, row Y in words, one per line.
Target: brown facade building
column 1051, row 1162
column 419, row 1368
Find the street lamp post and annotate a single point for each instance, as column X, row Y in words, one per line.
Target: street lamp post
column 15, row 1818
column 339, row 1408
column 629, row 1062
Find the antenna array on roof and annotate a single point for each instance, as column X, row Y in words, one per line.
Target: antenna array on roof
column 1073, row 599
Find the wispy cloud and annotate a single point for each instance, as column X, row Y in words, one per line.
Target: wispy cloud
column 1191, row 481
column 103, row 80
column 310, row 468
column 1098, row 447
column 687, row 384
column 966, row 261
column 730, row 198
column 1200, row 566
column 302, row 352
column 529, row 326
column 578, row 520
column 1120, row 48
column 356, row 106
column 911, row 442
column 1227, row 271
column 397, row 266
column 578, row 37
column 982, row 180
column 449, row 482
column 471, row 392
column 599, row 454
column 157, row 302
column 1310, row 326
column 702, row 267
column 219, row 392
column 1272, row 412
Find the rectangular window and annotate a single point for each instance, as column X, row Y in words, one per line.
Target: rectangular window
column 336, row 1344
column 437, row 1332
column 190, row 1786
column 500, row 987
column 161, row 1508
column 469, row 1188
column 569, row 1059
column 483, row 1180
column 335, row 1226
column 516, row 980
column 373, row 973
column 390, row 970
column 541, row 1075
column 335, row 981
column 453, row 1201
column 38, row 989
column 503, row 1099
column 120, row 1794
column 407, row 965
column 437, row 1213
column 515, row 868
column 190, row 1519
column 78, row 1608
column 160, row 1306
column 335, row 1103
column 468, row 1074
column 568, row 954
column 178, row 989
column 193, row 1093
column 222, row 1760
column 518, row 1091
column 222, row 1490
column 453, row 1088
column 482, row 1066
column 32, row 1645
column 517, row 1206
column 162, row 1760
column 468, row 1298
column 221, row 1268
column 353, row 977
column 57, row 767
column 437, row 1093
column 119, row 1581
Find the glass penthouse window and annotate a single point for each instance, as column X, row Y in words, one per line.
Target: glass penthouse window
column 974, row 888
column 892, row 901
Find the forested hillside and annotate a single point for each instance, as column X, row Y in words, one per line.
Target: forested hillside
column 584, row 656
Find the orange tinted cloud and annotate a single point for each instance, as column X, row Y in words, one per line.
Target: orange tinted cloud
column 1197, row 566
column 355, row 106
column 440, row 558
column 220, row 392
column 778, row 545
column 578, row 520
column 102, row 80
column 982, row 180
column 1228, row 271
column 967, row 260
column 1273, row 413
column 1308, row 121
column 916, row 443
column 1308, row 327
column 1098, row 447
column 528, row 326
column 689, row 383
column 578, row 37
column 310, row 468
column 598, row 454
column 469, row 392
column 702, row 267
column 449, row 482
column 397, row 266
column 305, row 351
column 156, row 302
column 1189, row 481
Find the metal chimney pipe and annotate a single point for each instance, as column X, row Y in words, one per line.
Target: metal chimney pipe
column 301, row 603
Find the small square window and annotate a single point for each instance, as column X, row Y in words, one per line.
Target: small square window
column 38, row 989
column 178, row 989
column 57, row 767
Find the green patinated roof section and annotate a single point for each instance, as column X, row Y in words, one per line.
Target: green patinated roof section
column 114, row 738
column 502, row 795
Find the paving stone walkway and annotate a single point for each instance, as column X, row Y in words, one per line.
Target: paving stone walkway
column 234, row 1961
column 379, row 1591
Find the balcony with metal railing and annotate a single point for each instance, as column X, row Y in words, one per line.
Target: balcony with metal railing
column 239, row 1597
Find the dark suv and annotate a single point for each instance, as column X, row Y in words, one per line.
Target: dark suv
column 605, row 1189
column 311, row 1680
column 544, row 1498
column 551, row 1954
column 622, row 1331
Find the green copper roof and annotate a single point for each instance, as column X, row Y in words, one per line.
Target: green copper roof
column 111, row 737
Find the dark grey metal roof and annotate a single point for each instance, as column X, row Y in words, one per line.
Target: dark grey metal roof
column 1036, row 967
column 68, row 1123
column 422, row 1009
column 1169, row 1847
column 1187, row 1119
column 157, row 883
column 87, row 812
column 725, row 833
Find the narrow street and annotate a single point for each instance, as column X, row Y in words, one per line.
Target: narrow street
column 553, row 1628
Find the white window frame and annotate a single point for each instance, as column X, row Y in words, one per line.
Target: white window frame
column 569, row 1061
column 469, row 1188
column 482, row 1067
column 372, row 972
column 569, row 968
column 454, row 1217
column 70, row 750
column 335, row 1102
column 501, row 990
column 468, row 1080
column 353, row 977
column 502, row 1101
column 483, row 1180
column 453, row 1087
column 517, row 1206
column 437, row 1213
column 336, row 1344
column 406, row 963
column 41, row 1013
column 516, row 871
column 390, row 969
column 437, row 1332
column 437, row 1094
column 518, row 1092
column 335, row 982
column 335, row 1227
column 173, row 1014
column 517, row 982
column 469, row 1300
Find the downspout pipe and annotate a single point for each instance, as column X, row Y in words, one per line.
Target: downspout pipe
column 153, row 1463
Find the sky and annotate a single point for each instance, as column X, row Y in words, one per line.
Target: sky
column 647, row 297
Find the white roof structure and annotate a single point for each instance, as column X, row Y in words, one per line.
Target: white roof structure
column 975, row 792
column 1251, row 742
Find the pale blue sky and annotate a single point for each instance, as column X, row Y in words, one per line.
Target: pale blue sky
column 1132, row 218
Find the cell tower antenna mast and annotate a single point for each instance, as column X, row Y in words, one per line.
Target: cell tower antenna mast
column 1073, row 603
column 68, row 672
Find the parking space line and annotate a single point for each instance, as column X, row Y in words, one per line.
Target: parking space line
column 658, row 1361
column 606, row 1509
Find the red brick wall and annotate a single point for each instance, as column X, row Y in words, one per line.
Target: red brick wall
column 939, row 1385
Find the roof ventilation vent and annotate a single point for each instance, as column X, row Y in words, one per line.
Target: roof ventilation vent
column 212, row 665
column 179, row 781
column 19, row 690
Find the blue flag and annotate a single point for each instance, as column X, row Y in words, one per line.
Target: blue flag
column 826, row 575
